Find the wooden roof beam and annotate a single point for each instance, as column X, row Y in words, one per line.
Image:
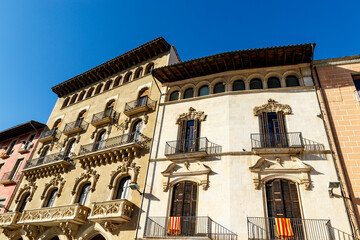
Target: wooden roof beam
column 284, row 56
column 209, row 67
column 196, row 72
column 250, row 62
column 186, row 70
column 217, row 65
column 178, row 70
column 172, row 73
column 167, row 76
column 201, row 67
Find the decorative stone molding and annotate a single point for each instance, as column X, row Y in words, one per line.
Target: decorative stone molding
column 272, row 106
column 90, row 175
column 57, row 182
column 191, row 115
column 69, row 229
column 110, row 226
column 9, row 220
column 127, row 167
column 196, row 169
column 27, row 188
column 9, row 233
column 32, row 231
column 114, row 211
column 281, row 167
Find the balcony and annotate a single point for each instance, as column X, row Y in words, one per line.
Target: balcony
column 4, row 154
column 53, row 216
column 10, row 178
column 10, row 220
column 118, row 211
column 104, row 117
column 271, row 143
column 199, row 227
column 138, row 106
column 192, row 148
column 75, row 127
column 48, row 135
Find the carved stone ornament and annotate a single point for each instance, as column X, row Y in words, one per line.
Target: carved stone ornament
column 69, row 229
column 27, row 188
column 272, row 106
column 191, row 115
column 32, row 231
column 57, row 182
column 196, row 169
column 90, row 175
column 286, row 167
column 126, row 167
column 110, row 226
column 9, row 232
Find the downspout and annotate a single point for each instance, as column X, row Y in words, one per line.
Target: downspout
column 327, row 109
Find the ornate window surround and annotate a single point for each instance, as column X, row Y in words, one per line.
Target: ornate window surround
column 272, row 106
column 57, row 182
column 89, row 176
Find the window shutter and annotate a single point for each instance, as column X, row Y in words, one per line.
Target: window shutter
column 178, row 197
column 182, row 135
column 265, row 138
column 282, row 130
column 278, row 201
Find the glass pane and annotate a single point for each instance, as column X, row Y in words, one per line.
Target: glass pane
column 189, row 93
column 219, row 88
column 174, row 96
column 255, row 84
column 51, row 198
column 203, row 91
column 292, row 81
column 238, row 85
column 274, row 82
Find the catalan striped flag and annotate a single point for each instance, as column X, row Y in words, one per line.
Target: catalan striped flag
column 283, row 227
column 174, row 226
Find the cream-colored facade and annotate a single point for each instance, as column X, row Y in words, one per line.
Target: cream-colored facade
column 231, row 166
column 98, row 141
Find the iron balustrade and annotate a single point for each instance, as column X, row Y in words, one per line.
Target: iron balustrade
column 201, row 144
column 134, row 137
column 277, row 140
column 261, row 228
column 48, row 132
column 102, row 115
column 47, row 159
column 80, row 123
column 189, row 226
column 145, row 101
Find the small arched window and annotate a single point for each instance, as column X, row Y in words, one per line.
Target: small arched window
column 143, row 96
column 109, row 108
column 66, row 102
column 45, row 151
column 138, row 73
column 84, row 194
column 203, row 91
column 273, row 82
column 81, row 96
column 99, row 143
column 117, row 81
column 107, row 85
column 123, row 188
column 149, row 68
column 219, row 88
column 89, row 93
column 127, row 77
column 256, row 84
column 98, row 88
column 189, row 93
column 174, row 96
column 51, row 198
column 73, row 99
column 57, row 124
column 70, row 148
column 292, row 81
column 238, row 85
column 23, row 203
column 80, row 118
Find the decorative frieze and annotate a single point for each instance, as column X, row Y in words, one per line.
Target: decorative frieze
column 9, row 220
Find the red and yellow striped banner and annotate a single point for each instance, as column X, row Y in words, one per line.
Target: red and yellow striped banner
column 174, row 226
column 283, row 227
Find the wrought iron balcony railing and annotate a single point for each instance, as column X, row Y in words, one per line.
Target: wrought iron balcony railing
column 103, row 117
column 277, row 140
column 46, row 133
column 134, row 137
column 189, row 227
column 201, row 144
column 139, row 105
column 60, row 156
column 261, row 228
column 76, row 126
column 118, row 210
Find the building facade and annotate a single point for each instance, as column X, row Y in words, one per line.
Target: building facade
column 338, row 81
column 86, row 178
column 17, row 146
column 238, row 144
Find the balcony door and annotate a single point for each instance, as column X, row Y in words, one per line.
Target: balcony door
column 143, row 95
column 273, row 129
column 184, row 203
column 189, row 134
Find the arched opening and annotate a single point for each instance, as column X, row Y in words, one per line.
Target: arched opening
column 70, row 148
column 135, row 132
column 57, row 124
column 66, row 102
column 138, row 73
column 84, row 194
column 117, row 82
column 98, row 237
column 51, row 198
column 292, row 81
column 203, row 91
column 238, row 85
column 174, row 96
column 80, row 118
column 256, row 84
column 109, row 108
column 98, row 89
column 23, row 203
column 143, row 96
column 273, row 82
column 219, row 87
column 73, row 99
column 123, row 188
column 81, row 96
column 107, row 85
column 45, row 151
column 99, row 143
column 89, row 93
column 149, row 68
column 189, row 93
column 127, row 77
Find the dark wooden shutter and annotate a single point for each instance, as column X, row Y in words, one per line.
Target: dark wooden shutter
column 282, row 129
column 182, row 136
column 264, row 137
column 184, row 199
column 278, row 200
column 178, row 198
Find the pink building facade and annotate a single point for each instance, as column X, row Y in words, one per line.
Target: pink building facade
column 16, row 147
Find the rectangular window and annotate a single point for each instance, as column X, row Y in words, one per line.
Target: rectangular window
column 29, row 142
column 2, row 203
column 8, row 152
column 14, row 172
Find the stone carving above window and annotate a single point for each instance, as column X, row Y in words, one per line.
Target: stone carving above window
column 291, row 167
column 32, row 231
column 191, row 115
column 272, row 106
column 57, row 182
column 127, row 167
column 195, row 171
column 90, row 175
column 29, row 187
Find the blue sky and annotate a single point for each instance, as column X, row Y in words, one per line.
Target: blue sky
column 46, row 42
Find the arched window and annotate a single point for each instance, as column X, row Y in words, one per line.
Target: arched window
column 127, row 77
column 89, row 93
column 273, row 82
column 256, row 84
column 23, row 203
column 117, row 81
column 99, row 143
column 109, row 108
column 143, row 96
column 98, row 88
column 84, row 194
column 123, row 188
column 219, row 88
column 203, row 91
column 81, row 96
column 238, row 85
column 66, row 102
column 107, row 85
column 51, row 198
column 136, row 130
column 149, row 68
column 292, row 81
column 45, row 151
column 57, row 124
column 80, row 118
column 138, row 73
column 70, row 148
column 189, row 93
column 73, row 99
column 174, row 96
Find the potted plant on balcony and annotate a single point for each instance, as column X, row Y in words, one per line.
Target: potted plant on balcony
column 4, row 154
column 23, row 148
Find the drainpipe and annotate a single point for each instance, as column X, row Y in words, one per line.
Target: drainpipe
column 316, row 82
